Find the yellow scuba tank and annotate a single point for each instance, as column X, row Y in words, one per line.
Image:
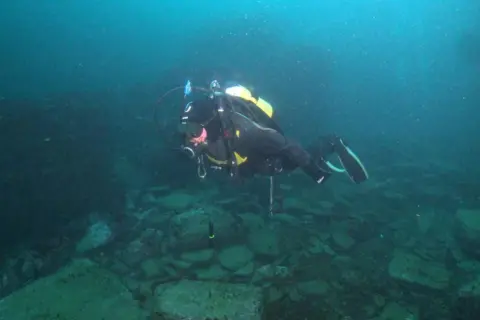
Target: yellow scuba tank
column 245, row 94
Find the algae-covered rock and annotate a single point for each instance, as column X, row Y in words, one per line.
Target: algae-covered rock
column 394, row 311
column 198, row 256
column 246, row 270
column 264, row 242
column 190, row 230
column 314, row 287
column 467, row 231
column 471, row 288
column 80, row 291
column 343, row 240
column 97, row 235
column 198, row 300
column 234, row 258
column 412, row 269
column 214, row 272
column 152, row 268
column 252, row 221
column 177, row 201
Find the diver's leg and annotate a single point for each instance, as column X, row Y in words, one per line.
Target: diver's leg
column 302, row 158
column 330, row 144
column 271, row 143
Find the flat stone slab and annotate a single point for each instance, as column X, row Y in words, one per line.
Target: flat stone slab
column 200, row 300
column 80, row 291
column 412, row 269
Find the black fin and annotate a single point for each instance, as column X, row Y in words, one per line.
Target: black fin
column 350, row 162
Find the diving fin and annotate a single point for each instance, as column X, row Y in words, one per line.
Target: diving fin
column 350, row 162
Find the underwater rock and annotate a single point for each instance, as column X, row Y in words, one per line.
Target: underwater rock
column 315, row 287
column 179, row 264
column 412, row 269
column 469, row 266
column 246, row 270
column 326, row 205
column 3, row 281
column 343, row 240
column 264, row 242
column 379, row 300
column 209, row 300
column 394, row 311
column 471, row 288
column 467, row 231
column 133, row 253
column 190, row 229
column 274, row 294
column 198, row 256
column 98, row 234
column 316, row 246
column 294, row 295
column 177, row 201
column 214, row 272
column 234, row 258
column 295, row 205
column 270, row 272
column 152, row 268
column 149, row 243
column 425, row 220
column 81, row 290
column 287, row 218
column 252, row 221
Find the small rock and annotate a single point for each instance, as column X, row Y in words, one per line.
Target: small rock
column 316, row 246
column 314, row 287
column 246, row 270
column 274, row 294
column 394, row 311
column 198, row 256
column 379, row 300
column 294, row 295
column 467, row 231
column 269, row 272
column 234, row 258
column 4, row 281
column 215, row 272
column 326, row 204
column 180, row 264
column 97, row 235
column 343, row 240
column 152, row 268
column 287, row 218
column 329, row 250
column 177, row 201
column 252, row 221
column 190, row 229
column 470, row 289
column 264, row 242
column 285, row 187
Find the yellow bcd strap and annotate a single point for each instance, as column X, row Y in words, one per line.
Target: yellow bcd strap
column 238, row 158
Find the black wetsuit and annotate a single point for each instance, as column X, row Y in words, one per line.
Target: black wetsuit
column 268, row 151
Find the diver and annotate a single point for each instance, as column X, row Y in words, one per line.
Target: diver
column 235, row 131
